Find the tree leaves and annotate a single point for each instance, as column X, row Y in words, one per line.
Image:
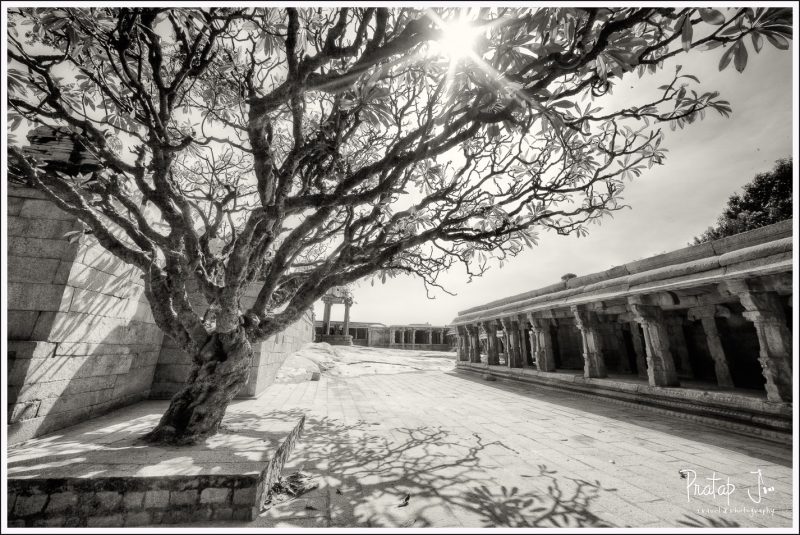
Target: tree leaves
column 758, row 41
column 712, row 16
column 686, row 33
column 777, row 40
column 726, row 57
column 740, row 56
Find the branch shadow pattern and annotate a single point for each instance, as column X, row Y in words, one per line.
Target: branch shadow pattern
column 557, row 508
column 372, row 471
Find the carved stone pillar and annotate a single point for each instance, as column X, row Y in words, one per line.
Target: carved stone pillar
column 677, row 343
column 474, row 343
column 391, row 337
column 593, row 362
column 706, row 315
column 522, row 322
column 492, row 356
column 660, row 363
column 462, row 344
column 765, row 310
column 542, row 343
column 511, row 328
column 430, row 336
column 639, row 350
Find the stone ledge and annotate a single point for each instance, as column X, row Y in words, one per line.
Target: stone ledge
column 723, row 409
column 99, row 474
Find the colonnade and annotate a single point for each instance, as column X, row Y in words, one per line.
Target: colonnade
column 643, row 333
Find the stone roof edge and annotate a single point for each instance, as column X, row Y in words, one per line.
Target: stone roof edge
column 748, row 246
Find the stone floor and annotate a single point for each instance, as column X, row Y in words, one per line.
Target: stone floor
column 472, row 454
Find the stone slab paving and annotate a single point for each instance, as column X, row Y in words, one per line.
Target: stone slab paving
column 475, row 454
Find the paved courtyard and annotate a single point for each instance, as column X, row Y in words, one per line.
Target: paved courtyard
column 471, row 453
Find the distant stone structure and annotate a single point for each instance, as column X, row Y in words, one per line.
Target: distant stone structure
column 422, row 336
column 336, row 295
column 703, row 323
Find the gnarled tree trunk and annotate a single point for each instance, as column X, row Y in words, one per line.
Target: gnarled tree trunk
column 221, row 369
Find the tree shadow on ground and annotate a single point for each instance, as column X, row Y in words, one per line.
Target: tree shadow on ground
column 367, row 471
column 700, row 521
column 767, row 450
column 557, row 508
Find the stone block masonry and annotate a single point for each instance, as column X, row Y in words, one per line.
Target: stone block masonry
column 81, row 338
column 113, row 481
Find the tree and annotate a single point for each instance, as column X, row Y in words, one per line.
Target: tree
column 765, row 200
column 302, row 149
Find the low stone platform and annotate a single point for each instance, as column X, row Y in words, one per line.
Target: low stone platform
column 100, row 473
column 738, row 411
column 336, row 339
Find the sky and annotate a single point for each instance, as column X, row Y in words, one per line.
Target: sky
column 670, row 204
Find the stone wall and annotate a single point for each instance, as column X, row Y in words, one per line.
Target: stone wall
column 174, row 365
column 81, row 339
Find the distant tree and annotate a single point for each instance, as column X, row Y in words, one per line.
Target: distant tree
column 765, row 200
column 305, row 148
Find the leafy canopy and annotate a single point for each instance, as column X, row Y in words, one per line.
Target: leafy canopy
column 765, row 200
column 302, row 149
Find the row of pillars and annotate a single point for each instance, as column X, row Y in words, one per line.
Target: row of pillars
column 654, row 346
column 408, row 335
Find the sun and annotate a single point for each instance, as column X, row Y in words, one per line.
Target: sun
column 458, row 39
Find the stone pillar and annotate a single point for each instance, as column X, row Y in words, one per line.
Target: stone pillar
column 660, row 363
column 492, row 356
column 430, row 337
column 346, row 323
column 474, row 343
column 461, row 346
column 522, row 320
column 765, row 310
column 507, row 345
column 677, row 342
column 639, row 350
column 326, row 318
column 369, row 337
column 391, row 337
column 510, row 328
column 542, row 344
column 707, row 315
column 593, row 362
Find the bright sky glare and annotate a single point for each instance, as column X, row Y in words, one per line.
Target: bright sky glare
column 706, row 163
